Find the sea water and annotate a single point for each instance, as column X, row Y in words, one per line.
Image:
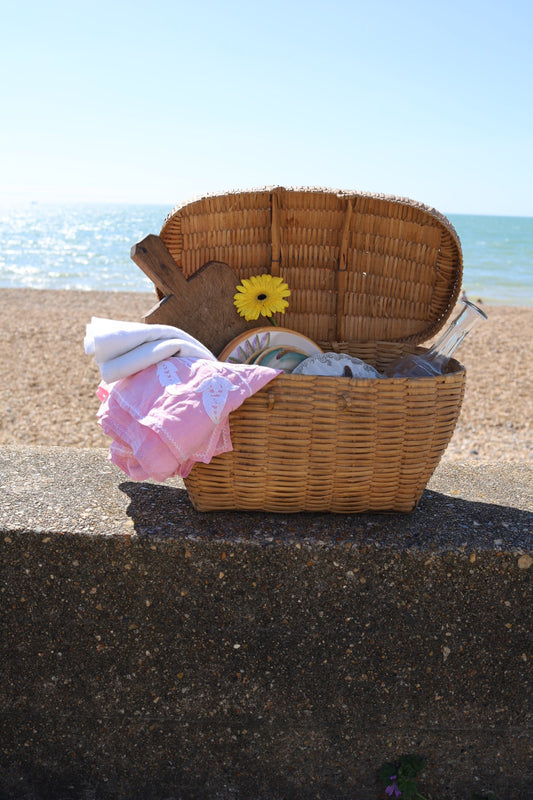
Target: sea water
column 497, row 258
column 87, row 246
column 75, row 246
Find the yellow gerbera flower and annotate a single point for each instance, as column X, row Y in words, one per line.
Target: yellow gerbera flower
column 261, row 294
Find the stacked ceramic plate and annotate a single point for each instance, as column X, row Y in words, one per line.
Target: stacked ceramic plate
column 289, row 351
column 279, row 348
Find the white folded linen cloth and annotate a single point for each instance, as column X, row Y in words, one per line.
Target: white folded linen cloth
column 123, row 348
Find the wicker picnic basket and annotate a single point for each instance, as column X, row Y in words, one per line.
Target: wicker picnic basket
column 370, row 275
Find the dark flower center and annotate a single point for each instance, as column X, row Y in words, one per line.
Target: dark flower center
column 262, row 297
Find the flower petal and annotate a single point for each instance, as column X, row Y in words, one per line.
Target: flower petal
column 261, row 294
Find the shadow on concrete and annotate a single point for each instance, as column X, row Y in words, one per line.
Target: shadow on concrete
column 440, row 521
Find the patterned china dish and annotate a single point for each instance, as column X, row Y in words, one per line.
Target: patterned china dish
column 285, row 358
column 336, row 365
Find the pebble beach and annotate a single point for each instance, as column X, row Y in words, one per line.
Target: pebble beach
column 47, row 392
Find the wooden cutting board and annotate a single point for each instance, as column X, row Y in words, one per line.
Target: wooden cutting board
column 201, row 305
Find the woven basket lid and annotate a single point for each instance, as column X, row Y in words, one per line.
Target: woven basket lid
column 361, row 267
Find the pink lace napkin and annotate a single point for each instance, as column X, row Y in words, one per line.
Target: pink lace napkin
column 165, row 418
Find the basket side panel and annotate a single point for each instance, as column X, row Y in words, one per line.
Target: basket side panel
column 315, row 444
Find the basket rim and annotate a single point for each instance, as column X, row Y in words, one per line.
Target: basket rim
column 390, row 198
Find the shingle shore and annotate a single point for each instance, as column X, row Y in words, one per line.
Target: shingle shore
column 48, row 394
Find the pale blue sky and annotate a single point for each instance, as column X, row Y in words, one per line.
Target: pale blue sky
column 156, row 102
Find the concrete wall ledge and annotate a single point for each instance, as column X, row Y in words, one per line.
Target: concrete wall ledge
column 151, row 651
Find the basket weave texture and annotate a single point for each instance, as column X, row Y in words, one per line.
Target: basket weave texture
column 370, row 275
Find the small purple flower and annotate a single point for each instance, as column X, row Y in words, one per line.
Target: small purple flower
column 393, row 788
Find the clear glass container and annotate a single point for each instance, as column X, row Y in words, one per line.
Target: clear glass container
column 435, row 361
